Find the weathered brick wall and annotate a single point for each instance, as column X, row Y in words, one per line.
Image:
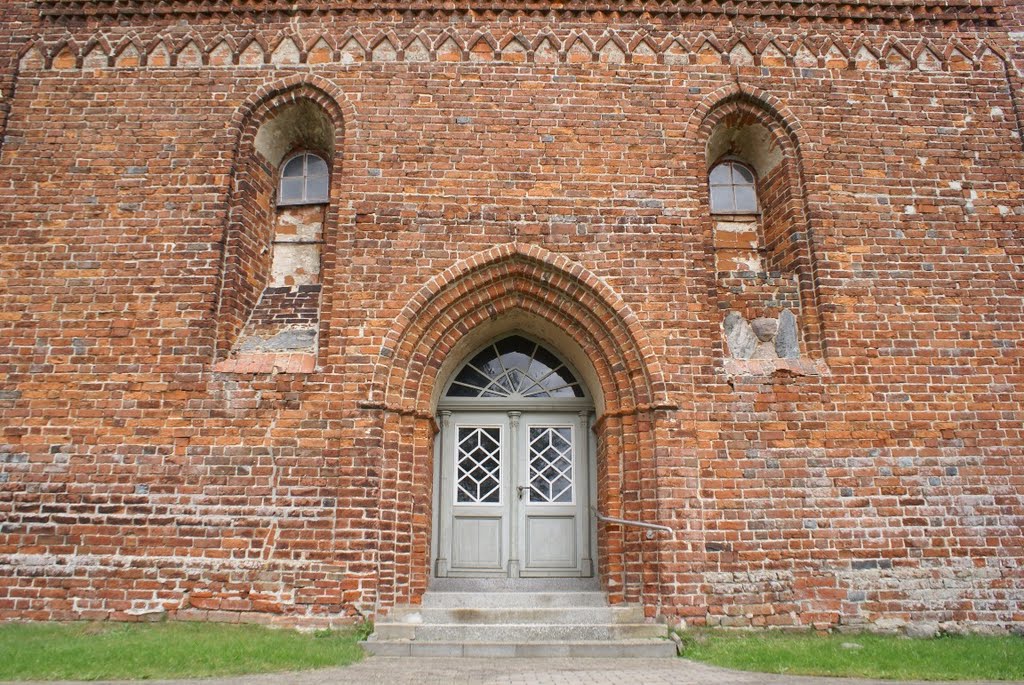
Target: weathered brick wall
column 884, row 483
column 17, row 31
column 247, row 257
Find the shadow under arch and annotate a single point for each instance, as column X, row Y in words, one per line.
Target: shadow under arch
column 270, row 96
column 712, row 106
column 507, row 288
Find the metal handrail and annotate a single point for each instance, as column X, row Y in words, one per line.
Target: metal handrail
column 650, row 527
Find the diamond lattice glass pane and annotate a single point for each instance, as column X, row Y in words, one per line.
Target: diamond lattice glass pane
column 563, row 486
column 551, row 469
column 561, row 439
column 478, row 466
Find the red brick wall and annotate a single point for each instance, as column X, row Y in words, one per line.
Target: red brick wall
column 247, row 262
column 18, row 26
column 883, row 484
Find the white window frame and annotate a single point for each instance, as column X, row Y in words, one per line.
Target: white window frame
column 305, row 199
column 732, row 186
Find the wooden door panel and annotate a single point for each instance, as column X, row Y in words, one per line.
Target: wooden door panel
column 551, row 542
column 475, row 515
column 514, row 495
column 551, row 463
column 477, row 543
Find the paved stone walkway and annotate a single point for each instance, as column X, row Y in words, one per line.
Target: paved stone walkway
column 451, row 671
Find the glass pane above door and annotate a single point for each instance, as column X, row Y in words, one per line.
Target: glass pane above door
column 515, row 367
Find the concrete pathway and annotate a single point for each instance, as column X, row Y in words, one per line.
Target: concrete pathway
column 460, row 671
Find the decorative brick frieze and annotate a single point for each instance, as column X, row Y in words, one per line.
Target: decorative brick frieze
column 489, row 42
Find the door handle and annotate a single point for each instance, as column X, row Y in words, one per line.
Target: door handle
column 520, row 489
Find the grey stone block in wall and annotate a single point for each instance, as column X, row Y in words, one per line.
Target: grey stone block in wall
column 291, row 340
column 765, row 350
column 732, row 320
column 765, row 328
column 787, row 340
column 922, row 630
column 740, row 336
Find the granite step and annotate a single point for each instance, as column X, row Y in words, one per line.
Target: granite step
column 517, row 632
column 451, row 599
column 470, row 615
column 517, row 619
column 514, row 585
column 563, row 648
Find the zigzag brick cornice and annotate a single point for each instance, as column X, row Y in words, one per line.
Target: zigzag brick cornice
column 889, row 11
column 606, row 49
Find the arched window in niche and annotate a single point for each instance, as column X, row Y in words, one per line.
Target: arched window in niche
column 762, row 256
column 269, row 316
column 733, row 188
column 305, row 179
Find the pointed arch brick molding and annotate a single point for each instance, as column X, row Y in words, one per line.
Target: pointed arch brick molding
column 747, row 51
column 525, row 283
column 630, row 374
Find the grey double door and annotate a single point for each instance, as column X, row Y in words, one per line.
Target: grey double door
column 514, row 494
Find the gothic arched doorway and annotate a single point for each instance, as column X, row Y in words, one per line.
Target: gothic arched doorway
column 514, row 467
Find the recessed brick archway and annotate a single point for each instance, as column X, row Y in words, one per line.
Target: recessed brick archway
column 739, row 106
column 245, row 255
column 517, row 287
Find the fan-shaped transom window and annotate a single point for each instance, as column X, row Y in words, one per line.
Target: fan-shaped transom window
column 733, row 189
column 305, row 179
column 515, row 367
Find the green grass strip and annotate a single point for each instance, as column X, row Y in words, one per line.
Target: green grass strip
column 134, row 651
column 973, row 657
